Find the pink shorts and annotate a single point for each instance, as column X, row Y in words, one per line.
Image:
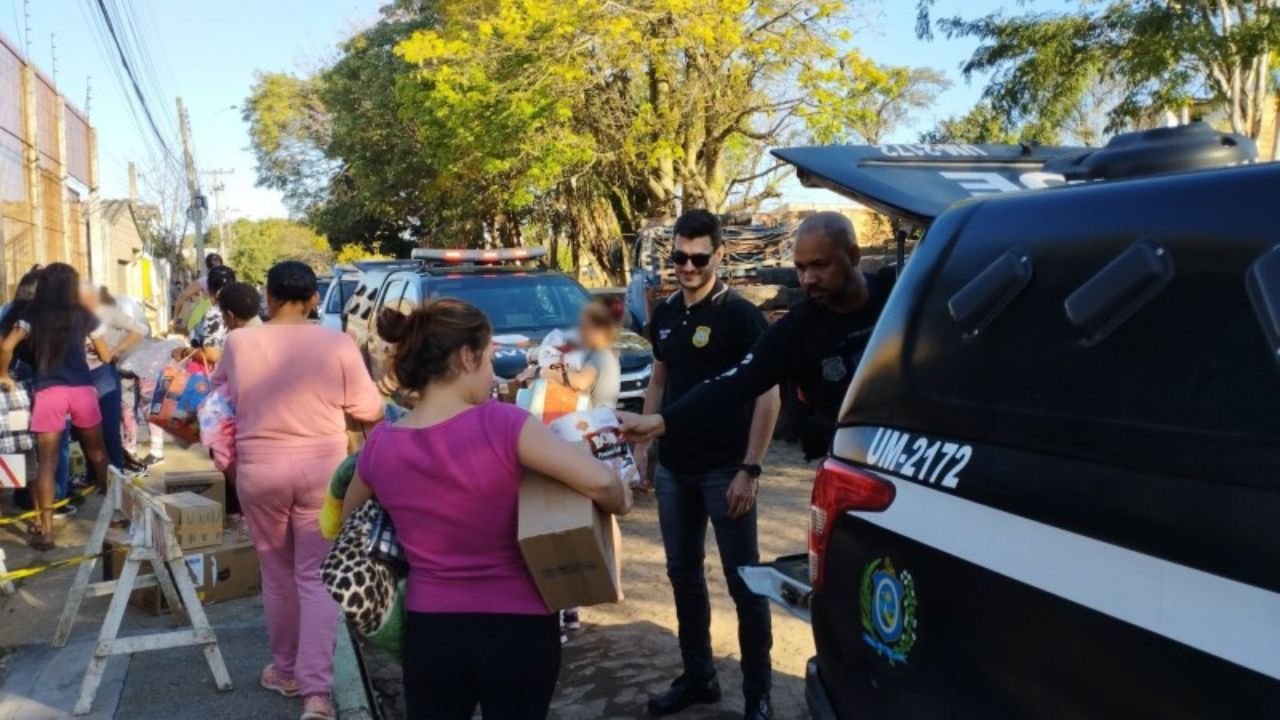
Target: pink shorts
column 54, row 404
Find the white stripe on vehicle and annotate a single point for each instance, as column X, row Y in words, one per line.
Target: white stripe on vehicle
column 1232, row 620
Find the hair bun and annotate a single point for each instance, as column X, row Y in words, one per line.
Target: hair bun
column 393, row 325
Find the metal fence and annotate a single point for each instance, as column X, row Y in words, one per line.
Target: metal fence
column 47, row 168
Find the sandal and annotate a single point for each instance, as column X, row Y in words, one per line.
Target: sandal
column 41, row 543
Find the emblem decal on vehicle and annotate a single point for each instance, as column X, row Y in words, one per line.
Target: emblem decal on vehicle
column 701, row 336
column 888, row 600
column 833, row 369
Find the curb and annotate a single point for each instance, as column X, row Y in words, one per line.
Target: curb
column 349, row 695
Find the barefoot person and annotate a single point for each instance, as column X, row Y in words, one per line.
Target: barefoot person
column 478, row 632
column 292, row 383
column 709, row 473
column 57, row 327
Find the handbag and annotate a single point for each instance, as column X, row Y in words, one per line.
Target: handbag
column 365, row 568
column 15, row 419
column 369, row 589
column 180, row 390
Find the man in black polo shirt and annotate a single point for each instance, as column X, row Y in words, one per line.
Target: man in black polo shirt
column 710, row 471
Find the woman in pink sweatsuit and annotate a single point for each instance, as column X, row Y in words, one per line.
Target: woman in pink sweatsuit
column 292, row 384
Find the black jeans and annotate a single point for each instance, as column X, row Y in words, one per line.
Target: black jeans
column 685, row 503
column 506, row 664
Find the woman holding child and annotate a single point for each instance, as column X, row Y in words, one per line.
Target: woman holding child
column 478, row 632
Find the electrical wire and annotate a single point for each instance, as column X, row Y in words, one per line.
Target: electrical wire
column 133, row 82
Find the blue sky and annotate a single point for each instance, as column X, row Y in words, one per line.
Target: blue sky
column 208, row 52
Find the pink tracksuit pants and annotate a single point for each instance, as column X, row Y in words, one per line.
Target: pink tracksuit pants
column 281, row 494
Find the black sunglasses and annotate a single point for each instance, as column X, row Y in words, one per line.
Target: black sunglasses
column 700, row 260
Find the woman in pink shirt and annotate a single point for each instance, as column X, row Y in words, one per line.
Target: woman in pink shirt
column 449, row 475
column 292, row 384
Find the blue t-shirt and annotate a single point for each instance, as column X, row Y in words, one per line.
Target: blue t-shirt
column 73, row 371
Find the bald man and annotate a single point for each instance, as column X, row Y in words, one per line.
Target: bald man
column 817, row 345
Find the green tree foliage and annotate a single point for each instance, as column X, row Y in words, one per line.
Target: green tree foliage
column 256, row 245
column 568, row 123
column 1157, row 55
column 980, row 125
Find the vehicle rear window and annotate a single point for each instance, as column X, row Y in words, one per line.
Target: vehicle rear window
column 338, row 300
column 514, row 303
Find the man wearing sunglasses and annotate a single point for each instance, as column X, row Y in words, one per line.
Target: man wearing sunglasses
column 817, row 345
column 709, row 472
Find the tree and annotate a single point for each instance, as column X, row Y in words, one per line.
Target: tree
column 570, row 123
column 880, row 101
column 1159, row 55
column 259, row 244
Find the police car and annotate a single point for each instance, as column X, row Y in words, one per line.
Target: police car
column 1055, row 491
column 523, row 299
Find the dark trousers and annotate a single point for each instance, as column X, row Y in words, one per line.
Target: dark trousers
column 685, row 504
column 111, row 404
column 506, row 664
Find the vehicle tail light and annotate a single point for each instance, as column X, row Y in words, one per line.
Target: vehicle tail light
column 836, row 489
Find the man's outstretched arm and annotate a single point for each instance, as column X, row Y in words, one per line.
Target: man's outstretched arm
column 763, row 367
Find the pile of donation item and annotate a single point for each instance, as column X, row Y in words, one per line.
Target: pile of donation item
column 222, row 562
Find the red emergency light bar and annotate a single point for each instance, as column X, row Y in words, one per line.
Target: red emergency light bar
column 499, row 255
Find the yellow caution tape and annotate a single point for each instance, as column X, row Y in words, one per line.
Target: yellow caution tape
column 67, row 562
column 35, row 513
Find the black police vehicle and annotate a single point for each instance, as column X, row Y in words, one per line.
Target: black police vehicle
column 523, row 299
column 1055, row 488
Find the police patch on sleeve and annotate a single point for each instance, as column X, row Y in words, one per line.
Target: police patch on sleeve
column 701, row 336
column 888, row 604
column 833, row 369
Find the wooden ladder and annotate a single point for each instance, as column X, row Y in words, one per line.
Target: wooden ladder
column 150, row 539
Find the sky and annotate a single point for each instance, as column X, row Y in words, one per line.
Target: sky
column 208, row 53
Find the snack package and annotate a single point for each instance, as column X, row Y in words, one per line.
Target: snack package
column 551, row 350
column 599, row 429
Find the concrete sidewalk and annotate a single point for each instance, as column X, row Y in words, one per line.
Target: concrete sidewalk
column 38, row 682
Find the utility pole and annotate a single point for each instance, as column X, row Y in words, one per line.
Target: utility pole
column 133, row 184
column 219, row 212
column 199, row 204
column 88, row 95
column 53, row 53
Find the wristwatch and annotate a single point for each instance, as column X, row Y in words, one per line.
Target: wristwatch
column 753, row 470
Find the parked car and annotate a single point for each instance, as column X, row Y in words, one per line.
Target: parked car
column 335, row 290
column 522, row 298
column 1056, row 484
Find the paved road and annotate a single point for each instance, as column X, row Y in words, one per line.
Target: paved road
column 627, row 651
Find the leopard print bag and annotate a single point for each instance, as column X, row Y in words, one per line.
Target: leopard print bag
column 370, row 590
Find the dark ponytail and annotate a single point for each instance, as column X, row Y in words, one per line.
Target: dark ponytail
column 427, row 339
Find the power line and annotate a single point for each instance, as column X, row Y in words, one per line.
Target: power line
column 133, row 81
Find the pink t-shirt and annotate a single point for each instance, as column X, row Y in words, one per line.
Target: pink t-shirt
column 292, row 386
column 451, row 490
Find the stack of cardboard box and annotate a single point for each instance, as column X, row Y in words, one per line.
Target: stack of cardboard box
column 222, row 563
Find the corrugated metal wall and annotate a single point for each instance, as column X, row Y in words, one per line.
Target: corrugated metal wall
column 61, row 212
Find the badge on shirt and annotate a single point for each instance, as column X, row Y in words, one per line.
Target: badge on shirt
column 701, row 336
column 833, row 369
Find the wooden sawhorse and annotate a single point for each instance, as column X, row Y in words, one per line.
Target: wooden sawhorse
column 149, row 539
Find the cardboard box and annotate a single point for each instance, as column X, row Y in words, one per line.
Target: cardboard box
column 227, row 572
column 572, row 547
column 205, row 483
column 197, row 521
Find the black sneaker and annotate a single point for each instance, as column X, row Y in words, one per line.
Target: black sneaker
column 65, row 511
column 153, row 460
column 685, row 693
column 758, row 709
column 571, row 620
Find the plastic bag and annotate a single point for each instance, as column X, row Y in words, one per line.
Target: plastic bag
column 149, row 359
column 180, row 390
column 598, row 428
column 216, row 417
